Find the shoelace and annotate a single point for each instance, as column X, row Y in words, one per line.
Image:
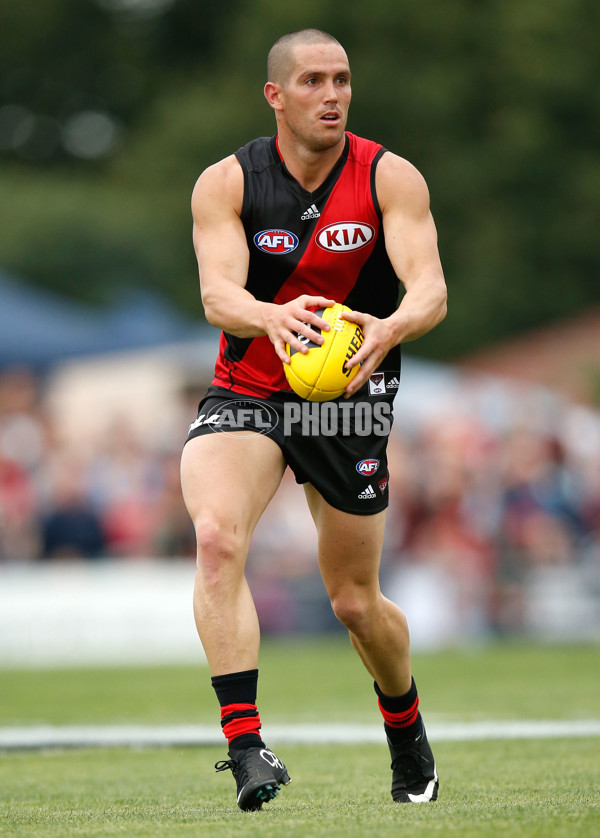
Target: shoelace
column 226, row 765
column 238, row 768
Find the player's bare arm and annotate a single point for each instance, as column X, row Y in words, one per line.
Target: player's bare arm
column 411, row 244
column 222, row 254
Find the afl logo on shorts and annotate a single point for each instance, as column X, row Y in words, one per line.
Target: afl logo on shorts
column 276, row 241
column 344, row 236
column 367, row 467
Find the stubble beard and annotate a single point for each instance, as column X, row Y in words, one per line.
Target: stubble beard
column 321, row 141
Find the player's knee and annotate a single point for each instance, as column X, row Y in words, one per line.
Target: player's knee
column 352, row 610
column 218, row 544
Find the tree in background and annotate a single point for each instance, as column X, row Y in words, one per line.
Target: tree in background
column 109, row 109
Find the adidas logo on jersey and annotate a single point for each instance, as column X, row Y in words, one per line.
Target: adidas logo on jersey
column 368, row 493
column 311, row 212
column 393, row 384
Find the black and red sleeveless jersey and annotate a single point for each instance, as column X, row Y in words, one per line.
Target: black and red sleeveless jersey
column 328, row 242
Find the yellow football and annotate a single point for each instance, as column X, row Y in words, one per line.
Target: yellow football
column 321, row 374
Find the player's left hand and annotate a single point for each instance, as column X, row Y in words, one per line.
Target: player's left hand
column 379, row 338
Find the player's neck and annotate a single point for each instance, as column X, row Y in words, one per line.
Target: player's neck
column 310, row 168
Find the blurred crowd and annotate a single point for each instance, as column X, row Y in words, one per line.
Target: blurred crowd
column 478, row 501
column 119, row 498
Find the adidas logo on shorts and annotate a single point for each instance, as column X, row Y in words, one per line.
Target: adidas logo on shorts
column 368, row 493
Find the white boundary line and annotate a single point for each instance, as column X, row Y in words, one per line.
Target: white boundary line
column 141, row 736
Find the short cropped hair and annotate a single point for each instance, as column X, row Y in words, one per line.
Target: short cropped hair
column 280, row 54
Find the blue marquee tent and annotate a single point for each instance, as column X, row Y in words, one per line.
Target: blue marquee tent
column 39, row 328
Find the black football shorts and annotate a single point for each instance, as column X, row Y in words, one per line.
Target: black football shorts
column 338, row 446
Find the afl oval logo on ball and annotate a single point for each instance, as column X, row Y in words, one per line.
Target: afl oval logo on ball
column 367, row 467
column 276, row 241
column 347, row 235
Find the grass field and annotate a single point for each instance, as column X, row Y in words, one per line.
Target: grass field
column 546, row 788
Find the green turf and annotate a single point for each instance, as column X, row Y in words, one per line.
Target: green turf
column 515, row 788
column 500, row 682
column 526, row 788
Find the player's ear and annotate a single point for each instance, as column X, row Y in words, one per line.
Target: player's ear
column 273, row 95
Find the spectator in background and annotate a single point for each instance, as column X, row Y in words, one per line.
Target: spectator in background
column 71, row 528
column 125, row 479
column 22, row 457
column 18, row 508
column 541, row 501
column 174, row 535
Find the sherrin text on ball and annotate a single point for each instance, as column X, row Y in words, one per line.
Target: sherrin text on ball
column 322, row 373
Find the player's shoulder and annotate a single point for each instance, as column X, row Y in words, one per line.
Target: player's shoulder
column 258, row 154
column 393, row 167
column 224, row 174
column 220, row 182
column 398, row 180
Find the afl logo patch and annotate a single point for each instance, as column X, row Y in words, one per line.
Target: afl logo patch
column 367, row 467
column 276, row 241
column 347, row 235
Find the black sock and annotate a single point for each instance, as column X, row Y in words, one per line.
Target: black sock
column 240, row 720
column 402, row 720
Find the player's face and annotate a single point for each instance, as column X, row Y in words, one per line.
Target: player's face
column 316, row 95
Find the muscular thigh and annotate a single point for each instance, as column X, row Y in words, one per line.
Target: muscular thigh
column 349, row 545
column 230, row 478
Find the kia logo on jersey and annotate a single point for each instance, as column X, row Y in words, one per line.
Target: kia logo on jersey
column 367, row 467
column 347, row 235
column 276, row 241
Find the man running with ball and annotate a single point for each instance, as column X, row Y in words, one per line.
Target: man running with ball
column 274, row 240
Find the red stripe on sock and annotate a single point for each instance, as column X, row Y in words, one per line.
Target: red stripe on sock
column 404, row 719
column 229, row 709
column 241, row 725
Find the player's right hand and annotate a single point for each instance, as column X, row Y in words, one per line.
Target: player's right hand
column 284, row 322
